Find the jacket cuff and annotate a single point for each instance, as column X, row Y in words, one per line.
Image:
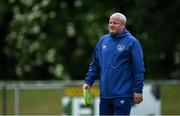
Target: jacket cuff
column 138, row 90
column 87, row 82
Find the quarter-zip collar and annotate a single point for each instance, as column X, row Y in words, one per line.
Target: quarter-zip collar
column 120, row 35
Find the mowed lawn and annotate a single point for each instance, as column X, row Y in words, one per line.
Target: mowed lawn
column 34, row 102
column 170, row 95
column 48, row 102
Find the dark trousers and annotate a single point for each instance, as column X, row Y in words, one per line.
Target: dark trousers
column 115, row 106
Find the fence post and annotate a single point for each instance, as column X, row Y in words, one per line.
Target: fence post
column 16, row 99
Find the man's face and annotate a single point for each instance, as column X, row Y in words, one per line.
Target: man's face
column 115, row 25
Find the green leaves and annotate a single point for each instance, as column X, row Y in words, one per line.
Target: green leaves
column 56, row 38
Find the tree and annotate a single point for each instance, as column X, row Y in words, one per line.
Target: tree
column 45, row 39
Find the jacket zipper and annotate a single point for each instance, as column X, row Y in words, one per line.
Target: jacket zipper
column 108, row 76
column 108, row 84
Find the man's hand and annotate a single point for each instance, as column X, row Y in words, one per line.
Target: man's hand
column 138, row 98
column 86, row 86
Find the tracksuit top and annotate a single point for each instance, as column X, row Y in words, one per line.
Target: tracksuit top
column 118, row 61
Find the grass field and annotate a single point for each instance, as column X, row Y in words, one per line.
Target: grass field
column 10, row 101
column 170, row 99
column 47, row 102
column 34, row 102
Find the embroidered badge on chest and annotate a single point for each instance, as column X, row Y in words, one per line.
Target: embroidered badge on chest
column 104, row 47
column 120, row 47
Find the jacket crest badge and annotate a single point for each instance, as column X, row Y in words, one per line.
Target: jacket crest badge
column 120, row 47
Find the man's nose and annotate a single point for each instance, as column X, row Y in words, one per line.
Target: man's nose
column 111, row 25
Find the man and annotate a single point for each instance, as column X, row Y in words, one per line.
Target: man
column 118, row 60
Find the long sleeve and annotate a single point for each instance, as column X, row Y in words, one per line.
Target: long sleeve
column 94, row 68
column 138, row 66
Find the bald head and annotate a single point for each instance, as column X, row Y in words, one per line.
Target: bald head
column 120, row 17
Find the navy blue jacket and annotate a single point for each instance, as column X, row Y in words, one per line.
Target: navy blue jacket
column 118, row 60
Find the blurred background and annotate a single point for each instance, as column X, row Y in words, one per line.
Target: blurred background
column 46, row 45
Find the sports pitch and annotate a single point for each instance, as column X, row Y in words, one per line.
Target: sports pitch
column 47, row 102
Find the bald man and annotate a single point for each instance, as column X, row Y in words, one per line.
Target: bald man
column 118, row 60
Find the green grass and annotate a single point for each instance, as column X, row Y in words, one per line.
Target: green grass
column 170, row 99
column 9, row 100
column 48, row 102
column 34, row 102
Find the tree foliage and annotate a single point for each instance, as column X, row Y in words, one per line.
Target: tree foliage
column 54, row 39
